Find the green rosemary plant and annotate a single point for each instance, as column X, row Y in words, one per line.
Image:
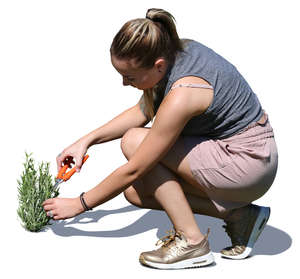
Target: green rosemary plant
column 34, row 187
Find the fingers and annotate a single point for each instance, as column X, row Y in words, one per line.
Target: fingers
column 78, row 164
column 53, row 214
column 56, row 217
column 48, row 202
column 50, row 208
column 63, row 159
column 75, row 152
column 59, row 159
column 49, row 205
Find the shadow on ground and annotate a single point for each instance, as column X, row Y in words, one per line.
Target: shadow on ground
column 272, row 241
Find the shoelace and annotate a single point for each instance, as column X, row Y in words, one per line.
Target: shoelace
column 171, row 234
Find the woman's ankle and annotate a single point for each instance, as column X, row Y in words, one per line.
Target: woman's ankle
column 192, row 237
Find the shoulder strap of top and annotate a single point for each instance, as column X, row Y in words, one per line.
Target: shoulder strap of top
column 193, row 85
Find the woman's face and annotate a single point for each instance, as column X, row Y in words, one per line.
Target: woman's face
column 139, row 78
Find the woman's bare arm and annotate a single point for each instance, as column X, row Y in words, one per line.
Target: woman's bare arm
column 116, row 128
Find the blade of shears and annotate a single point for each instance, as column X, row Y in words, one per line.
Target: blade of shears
column 57, row 182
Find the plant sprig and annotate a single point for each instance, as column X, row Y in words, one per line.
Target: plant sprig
column 34, row 187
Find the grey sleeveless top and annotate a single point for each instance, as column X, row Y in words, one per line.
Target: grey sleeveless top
column 234, row 105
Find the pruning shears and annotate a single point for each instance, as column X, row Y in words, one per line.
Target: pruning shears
column 63, row 175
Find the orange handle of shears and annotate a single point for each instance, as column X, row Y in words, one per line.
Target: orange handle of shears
column 66, row 176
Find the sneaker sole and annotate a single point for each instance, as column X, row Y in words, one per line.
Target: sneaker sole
column 260, row 223
column 189, row 263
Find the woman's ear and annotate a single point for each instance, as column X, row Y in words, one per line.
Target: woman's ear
column 160, row 64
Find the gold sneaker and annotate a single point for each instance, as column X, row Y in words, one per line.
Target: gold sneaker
column 176, row 253
column 244, row 233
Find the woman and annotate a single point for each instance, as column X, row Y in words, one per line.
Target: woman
column 210, row 150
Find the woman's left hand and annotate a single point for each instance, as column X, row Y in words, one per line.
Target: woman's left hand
column 62, row 208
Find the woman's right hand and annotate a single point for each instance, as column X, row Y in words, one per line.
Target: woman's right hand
column 75, row 151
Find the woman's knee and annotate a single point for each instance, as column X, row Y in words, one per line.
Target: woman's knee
column 131, row 140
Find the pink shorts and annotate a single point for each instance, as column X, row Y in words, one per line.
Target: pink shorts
column 237, row 170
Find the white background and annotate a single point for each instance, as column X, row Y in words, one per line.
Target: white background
column 57, row 84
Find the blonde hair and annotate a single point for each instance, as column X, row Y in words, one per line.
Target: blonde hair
column 145, row 40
